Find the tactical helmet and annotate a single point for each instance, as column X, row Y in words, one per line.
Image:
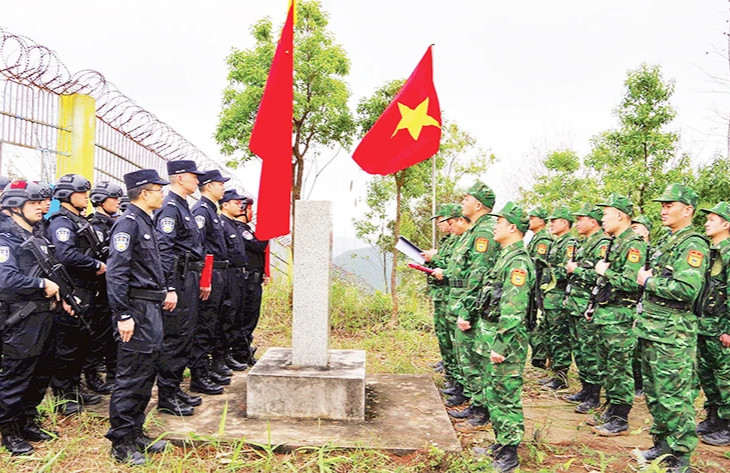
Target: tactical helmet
column 69, row 184
column 104, row 190
column 4, row 181
column 17, row 193
column 123, row 204
column 46, row 190
column 246, row 202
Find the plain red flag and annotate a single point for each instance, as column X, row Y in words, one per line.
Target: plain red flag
column 409, row 130
column 271, row 139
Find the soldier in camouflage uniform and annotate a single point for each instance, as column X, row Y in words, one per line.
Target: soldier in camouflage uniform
column 538, row 248
column 508, row 293
column 713, row 340
column 615, row 312
column 641, row 225
column 472, row 257
column 556, row 319
column 581, row 280
column 667, row 328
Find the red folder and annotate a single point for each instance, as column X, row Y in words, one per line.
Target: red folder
column 206, row 276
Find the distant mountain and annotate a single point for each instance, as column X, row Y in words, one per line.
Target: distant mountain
column 366, row 264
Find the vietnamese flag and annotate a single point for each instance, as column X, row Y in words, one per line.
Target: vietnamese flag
column 409, row 130
column 271, row 139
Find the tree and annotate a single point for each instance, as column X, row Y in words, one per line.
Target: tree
column 562, row 181
column 713, row 185
column 322, row 117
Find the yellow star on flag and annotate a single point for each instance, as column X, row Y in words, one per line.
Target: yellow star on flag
column 414, row 119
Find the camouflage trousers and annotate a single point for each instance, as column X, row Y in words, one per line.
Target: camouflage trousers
column 503, row 387
column 713, row 369
column 668, row 384
column 443, row 329
column 584, row 343
column 616, row 346
column 538, row 340
column 557, row 329
column 636, row 367
column 471, row 363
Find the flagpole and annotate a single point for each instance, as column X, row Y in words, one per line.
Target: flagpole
column 433, row 200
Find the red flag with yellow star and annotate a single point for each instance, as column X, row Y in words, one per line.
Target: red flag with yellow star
column 409, row 130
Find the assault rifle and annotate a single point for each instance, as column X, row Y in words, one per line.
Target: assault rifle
column 99, row 251
column 568, row 286
column 640, row 304
column 599, row 284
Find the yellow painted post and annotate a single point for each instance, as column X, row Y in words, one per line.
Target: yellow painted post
column 76, row 113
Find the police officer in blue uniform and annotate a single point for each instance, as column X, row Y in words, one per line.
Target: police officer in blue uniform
column 105, row 198
column 207, row 377
column 29, row 340
column 73, row 249
column 181, row 250
column 230, row 338
column 137, row 289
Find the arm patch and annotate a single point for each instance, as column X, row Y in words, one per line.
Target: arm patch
column 481, row 244
column 518, row 276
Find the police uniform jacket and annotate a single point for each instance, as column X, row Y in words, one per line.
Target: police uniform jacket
column 177, row 235
column 255, row 248
column 211, row 228
column 235, row 242
column 71, row 250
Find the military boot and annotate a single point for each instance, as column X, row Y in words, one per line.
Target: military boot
column 711, row 423
column 31, row 430
column 456, row 400
column 660, row 447
column 218, row 366
column 95, row 382
column 677, row 462
column 559, row 381
column 539, row 363
column 86, row 398
column 187, row 398
column 218, row 379
column 580, row 396
column 506, row 459
column 252, row 356
column 201, row 383
column 145, row 444
column 67, row 404
column 462, row 414
column 455, row 389
column 478, row 420
column 591, row 401
column 234, row 364
column 168, row 403
column 600, row 418
column 618, row 423
column 720, row 437
column 13, row 441
column 125, row 451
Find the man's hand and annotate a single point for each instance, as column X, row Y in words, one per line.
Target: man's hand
column 570, row 266
column 429, row 254
column 101, row 270
column 51, row 289
column 463, row 325
column 266, row 280
column 68, row 309
column 438, row 273
column 643, row 275
column 496, row 357
column 602, row 266
column 126, row 329
column 725, row 340
column 170, row 301
column 204, row 293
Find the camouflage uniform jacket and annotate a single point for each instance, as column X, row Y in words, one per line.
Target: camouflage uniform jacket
column 679, row 264
column 470, row 259
column 510, row 284
column 626, row 259
column 539, row 246
column 590, row 251
column 439, row 289
column 560, row 253
column 715, row 318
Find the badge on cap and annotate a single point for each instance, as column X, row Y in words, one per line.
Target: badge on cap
column 634, row 255
column 541, row 249
column 694, row 258
column 518, row 276
column 481, row 244
column 167, row 224
column 121, row 241
column 63, row 234
column 200, row 220
column 4, row 253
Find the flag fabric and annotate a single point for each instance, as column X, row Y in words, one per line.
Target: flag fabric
column 409, row 130
column 271, row 139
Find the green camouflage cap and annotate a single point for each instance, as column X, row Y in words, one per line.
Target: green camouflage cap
column 643, row 220
column 562, row 212
column 454, row 211
column 589, row 210
column 620, row 202
column 538, row 212
column 443, row 210
column 679, row 193
column 515, row 215
column 721, row 208
column 483, row 193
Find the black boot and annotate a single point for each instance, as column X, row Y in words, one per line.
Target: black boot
column 218, row 366
column 720, row 437
column 125, row 451
column 95, row 382
column 219, row 379
column 463, row 414
column 618, row 423
column 87, row 398
column 559, row 381
column 677, row 462
column 233, row 364
column 539, row 363
column 455, row 389
column 601, row 418
column 168, row 403
column 145, row 444
column 456, row 400
column 13, row 440
column 591, row 401
column 711, row 423
column 31, row 430
column 580, row 396
column 200, row 383
column 506, row 459
column 252, row 356
column 187, row 398
column 439, row 367
column 660, row 447
column 478, row 420
column 67, row 404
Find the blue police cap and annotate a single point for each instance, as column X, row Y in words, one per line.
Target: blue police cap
column 211, row 175
column 182, row 166
column 142, row 177
column 231, row 194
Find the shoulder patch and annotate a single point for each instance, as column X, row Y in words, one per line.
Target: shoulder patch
column 100, row 235
column 604, row 248
column 167, row 224
column 634, row 255
column 121, row 241
column 541, row 249
column 570, row 250
column 63, row 234
column 4, row 253
column 200, row 220
column 247, row 235
column 518, row 276
column 694, row 258
column 481, row 244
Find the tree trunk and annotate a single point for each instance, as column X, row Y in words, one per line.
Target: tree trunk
column 396, row 235
column 385, row 272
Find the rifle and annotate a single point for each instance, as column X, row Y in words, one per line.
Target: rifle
column 57, row 273
column 569, row 287
column 538, row 296
column 600, row 282
column 87, row 232
column 640, row 304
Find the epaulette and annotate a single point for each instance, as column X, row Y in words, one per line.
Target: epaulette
column 131, row 216
column 170, row 202
column 203, row 204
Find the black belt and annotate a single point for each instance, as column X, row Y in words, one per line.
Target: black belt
column 241, row 269
column 155, row 295
column 192, row 266
column 561, row 284
column 458, row 283
column 676, row 305
column 221, row 264
column 44, row 305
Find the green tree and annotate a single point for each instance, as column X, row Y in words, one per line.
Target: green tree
column 713, row 185
column 322, row 117
column 563, row 181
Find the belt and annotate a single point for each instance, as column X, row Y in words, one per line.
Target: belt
column 221, row 264
column 155, row 295
column 561, row 284
column 192, row 266
column 237, row 269
column 676, row 305
column 458, row 283
column 40, row 306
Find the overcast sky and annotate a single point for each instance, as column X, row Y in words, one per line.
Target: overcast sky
column 521, row 76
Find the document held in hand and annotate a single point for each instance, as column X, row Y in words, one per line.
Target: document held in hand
column 409, row 249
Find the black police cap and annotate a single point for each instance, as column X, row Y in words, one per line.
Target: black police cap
column 211, row 175
column 142, row 177
column 182, row 166
column 231, row 194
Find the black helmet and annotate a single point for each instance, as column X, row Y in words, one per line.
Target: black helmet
column 123, row 204
column 4, row 181
column 104, row 190
column 246, row 202
column 18, row 193
column 69, row 184
column 46, row 190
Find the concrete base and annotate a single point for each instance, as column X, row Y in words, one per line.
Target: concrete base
column 277, row 389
